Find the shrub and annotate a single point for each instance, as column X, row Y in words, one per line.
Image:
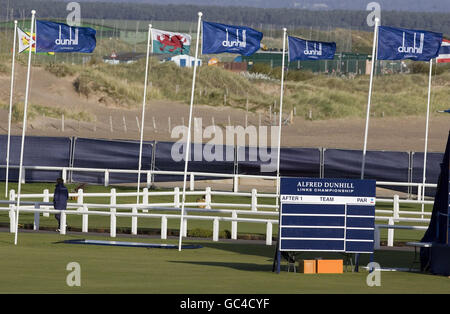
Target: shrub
column 299, row 75
column 263, row 68
column 81, row 86
column 424, row 68
column 204, row 233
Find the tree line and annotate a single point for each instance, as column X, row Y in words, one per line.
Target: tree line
column 257, row 17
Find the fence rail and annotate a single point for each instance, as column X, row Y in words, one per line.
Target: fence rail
column 192, row 174
column 211, row 209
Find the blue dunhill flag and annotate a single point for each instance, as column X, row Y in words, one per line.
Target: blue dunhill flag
column 219, row 38
column 301, row 49
column 59, row 37
column 400, row 43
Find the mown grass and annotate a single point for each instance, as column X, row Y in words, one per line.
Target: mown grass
column 38, row 265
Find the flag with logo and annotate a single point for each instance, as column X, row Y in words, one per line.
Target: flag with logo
column 220, row 38
column 59, row 37
column 169, row 42
column 444, row 52
column 400, row 43
column 301, row 49
column 24, row 41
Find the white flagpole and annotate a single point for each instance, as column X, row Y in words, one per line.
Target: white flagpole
column 374, row 59
column 10, row 108
column 426, row 133
column 188, row 141
column 24, row 126
column 281, row 113
column 143, row 111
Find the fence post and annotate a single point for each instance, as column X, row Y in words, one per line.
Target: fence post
column 85, row 220
column 234, row 226
column 269, row 233
column 64, row 174
column 46, row 199
column 391, row 233
column 216, row 230
column 254, row 200
column 235, row 183
column 396, row 206
column 80, row 199
column 192, row 182
column 163, row 228
column 12, row 215
column 63, row 223
column 113, row 214
column 145, row 199
column 176, row 197
column 12, row 220
column 36, row 217
column 106, row 177
column 376, row 236
column 149, row 179
column 134, row 221
column 23, row 175
column 185, row 227
column 208, row 197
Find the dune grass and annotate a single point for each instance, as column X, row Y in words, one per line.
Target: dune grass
column 35, row 110
column 325, row 96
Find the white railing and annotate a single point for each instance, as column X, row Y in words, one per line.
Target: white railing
column 192, row 174
column 234, row 209
column 134, row 214
column 149, row 174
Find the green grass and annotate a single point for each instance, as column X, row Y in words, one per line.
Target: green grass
column 35, row 110
column 124, row 224
column 38, row 265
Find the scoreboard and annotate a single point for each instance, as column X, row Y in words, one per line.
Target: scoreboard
column 335, row 215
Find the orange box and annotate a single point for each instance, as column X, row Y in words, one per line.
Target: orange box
column 307, row 266
column 330, row 266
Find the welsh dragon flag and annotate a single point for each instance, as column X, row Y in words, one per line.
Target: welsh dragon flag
column 168, row 42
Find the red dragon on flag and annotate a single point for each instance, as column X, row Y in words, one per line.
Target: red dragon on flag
column 168, row 42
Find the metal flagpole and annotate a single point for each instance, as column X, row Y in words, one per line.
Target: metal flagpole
column 188, row 141
column 426, row 134
column 375, row 35
column 363, row 165
column 281, row 113
column 278, row 253
column 24, row 126
column 143, row 111
column 10, row 108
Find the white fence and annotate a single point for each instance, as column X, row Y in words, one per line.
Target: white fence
column 67, row 171
column 229, row 211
